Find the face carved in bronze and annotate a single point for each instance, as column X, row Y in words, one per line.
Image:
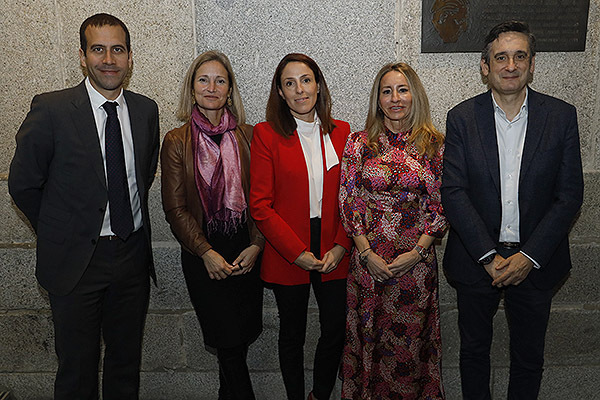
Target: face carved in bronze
column 450, row 18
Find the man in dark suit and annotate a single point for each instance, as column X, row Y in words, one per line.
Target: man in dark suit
column 85, row 159
column 512, row 185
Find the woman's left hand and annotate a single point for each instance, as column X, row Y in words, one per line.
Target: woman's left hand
column 404, row 262
column 245, row 261
column 332, row 258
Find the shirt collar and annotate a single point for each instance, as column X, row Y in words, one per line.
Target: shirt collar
column 523, row 111
column 97, row 99
column 307, row 126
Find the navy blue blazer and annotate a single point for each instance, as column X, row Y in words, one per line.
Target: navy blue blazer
column 57, row 179
column 550, row 187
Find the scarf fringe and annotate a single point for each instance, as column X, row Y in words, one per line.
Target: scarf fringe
column 226, row 222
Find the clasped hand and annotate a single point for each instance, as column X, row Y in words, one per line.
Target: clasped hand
column 382, row 271
column 307, row 260
column 509, row 271
column 218, row 268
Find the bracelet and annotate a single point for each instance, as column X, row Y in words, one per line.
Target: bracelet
column 361, row 253
column 363, row 259
column 422, row 251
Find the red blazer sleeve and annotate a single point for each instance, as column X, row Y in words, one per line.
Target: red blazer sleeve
column 262, row 183
column 338, row 137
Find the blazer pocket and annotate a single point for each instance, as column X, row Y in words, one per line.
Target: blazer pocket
column 50, row 233
column 53, row 224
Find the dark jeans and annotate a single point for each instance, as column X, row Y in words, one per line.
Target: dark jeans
column 112, row 298
column 527, row 310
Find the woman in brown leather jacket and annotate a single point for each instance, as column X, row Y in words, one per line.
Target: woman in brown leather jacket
column 205, row 182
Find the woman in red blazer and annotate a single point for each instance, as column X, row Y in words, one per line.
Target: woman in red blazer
column 295, row 175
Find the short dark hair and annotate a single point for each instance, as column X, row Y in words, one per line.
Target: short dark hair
column 278, row 112
column 101, row 20
column 503, row 27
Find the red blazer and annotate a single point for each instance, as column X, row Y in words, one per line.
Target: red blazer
column 279, row 204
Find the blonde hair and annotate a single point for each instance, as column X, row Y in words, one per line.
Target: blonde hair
column 424, row 135
column 186, row 98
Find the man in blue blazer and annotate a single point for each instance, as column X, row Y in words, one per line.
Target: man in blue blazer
column 512, row 185
column 84, row 162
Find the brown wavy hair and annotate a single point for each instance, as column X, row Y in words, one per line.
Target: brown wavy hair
column 278, row 112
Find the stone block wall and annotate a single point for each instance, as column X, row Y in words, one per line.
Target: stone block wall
column 350, row 40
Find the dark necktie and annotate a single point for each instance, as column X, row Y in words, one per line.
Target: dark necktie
column 121, row 217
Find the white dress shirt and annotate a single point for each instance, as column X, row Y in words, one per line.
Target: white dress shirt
column 510, row 136
column 97, row 100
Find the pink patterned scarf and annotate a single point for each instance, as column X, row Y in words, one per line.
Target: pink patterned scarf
column 217, row 172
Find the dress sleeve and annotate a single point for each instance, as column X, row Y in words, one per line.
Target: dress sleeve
column 352, row 205
column 433, row 221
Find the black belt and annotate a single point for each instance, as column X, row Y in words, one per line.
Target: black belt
column 109, row 237
column 510, row 245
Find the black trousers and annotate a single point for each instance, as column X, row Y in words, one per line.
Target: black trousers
column 527, row 310
column 234, row 377
column 292, row 305
column 110, row 299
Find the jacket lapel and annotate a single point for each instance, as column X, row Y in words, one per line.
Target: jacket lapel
column 83, row 119
column 486, row 126
column 536, row 121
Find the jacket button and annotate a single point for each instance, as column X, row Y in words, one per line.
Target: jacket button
column 94, row 242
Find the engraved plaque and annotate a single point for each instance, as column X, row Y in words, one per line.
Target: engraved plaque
column 461, row 25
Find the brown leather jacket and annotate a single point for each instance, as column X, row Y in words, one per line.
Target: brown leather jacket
column 180, row 199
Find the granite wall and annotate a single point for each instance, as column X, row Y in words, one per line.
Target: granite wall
column 350, row 40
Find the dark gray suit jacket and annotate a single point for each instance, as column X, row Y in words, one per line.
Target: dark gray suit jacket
column 550, row 187
column 57, row 179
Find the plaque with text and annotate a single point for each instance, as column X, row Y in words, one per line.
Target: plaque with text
column 450, row 26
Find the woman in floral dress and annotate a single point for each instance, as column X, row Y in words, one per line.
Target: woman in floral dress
column 390, row 204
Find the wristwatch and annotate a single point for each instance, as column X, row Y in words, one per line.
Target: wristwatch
column 487, row 259
column 363, row 257
column 422, row 251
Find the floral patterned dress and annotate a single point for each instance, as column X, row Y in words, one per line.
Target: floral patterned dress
column 393, row 345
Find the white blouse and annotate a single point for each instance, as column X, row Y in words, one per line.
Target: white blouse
column 309, row 134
